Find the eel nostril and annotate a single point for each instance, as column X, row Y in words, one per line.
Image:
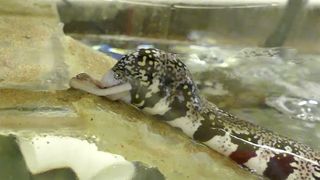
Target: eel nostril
column 83, row 76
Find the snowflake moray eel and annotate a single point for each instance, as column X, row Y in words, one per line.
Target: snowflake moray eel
column 160, row 84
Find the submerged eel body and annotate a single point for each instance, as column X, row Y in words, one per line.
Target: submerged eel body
column 159, row 84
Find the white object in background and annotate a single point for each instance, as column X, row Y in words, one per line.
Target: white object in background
column 45, row 153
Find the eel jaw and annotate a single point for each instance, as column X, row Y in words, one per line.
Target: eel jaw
column 113, row 91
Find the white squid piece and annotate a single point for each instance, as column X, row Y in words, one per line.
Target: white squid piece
column 108, row 86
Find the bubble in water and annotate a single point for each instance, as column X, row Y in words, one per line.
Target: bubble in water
column 298, row 108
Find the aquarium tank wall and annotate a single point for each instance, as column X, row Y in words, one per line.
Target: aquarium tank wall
column 256, row 60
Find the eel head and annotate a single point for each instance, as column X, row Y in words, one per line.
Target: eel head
column 141, row 78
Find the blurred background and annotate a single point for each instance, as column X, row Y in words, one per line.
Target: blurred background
column 292, row 23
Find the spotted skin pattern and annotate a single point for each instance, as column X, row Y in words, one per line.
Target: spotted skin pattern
column 162, row 86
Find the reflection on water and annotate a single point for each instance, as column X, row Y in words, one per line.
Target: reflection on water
column 303, row 109
column 38, row 111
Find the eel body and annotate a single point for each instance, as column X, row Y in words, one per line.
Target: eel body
column 161, row 85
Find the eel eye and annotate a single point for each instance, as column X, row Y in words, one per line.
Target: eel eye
column 116, row 76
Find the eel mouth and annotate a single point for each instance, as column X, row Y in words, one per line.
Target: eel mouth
column 86, row 83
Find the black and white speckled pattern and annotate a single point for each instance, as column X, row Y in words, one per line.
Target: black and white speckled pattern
column 163, row 87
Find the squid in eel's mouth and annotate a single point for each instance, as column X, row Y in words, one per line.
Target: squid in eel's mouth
column 110, row 88
column 159, row 84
